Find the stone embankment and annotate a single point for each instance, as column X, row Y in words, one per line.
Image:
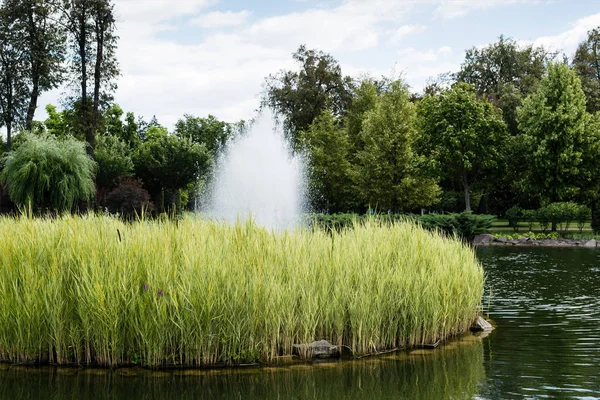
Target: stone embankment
column 489, row 240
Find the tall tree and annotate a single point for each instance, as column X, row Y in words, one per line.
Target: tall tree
column 587, row 64
column 44, row 38
column 91, row 25
column 388, row 173
column 299, row 97
column 553, row 122
column 505, row 72
column 462, row 134
column 326, row 145
column 208, row 131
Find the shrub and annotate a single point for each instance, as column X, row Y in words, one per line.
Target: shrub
column 530, row 217
column 582, row 216
column 543, row 217
column 514, row 216
column 129, row 198
column 464, row 225
column 561, row 215
column 48, row 173
column 114, row 161
column 596, row 221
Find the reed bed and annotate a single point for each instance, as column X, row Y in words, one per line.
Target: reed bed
column 93, row 290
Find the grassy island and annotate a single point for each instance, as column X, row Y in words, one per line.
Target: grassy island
column 96, row 291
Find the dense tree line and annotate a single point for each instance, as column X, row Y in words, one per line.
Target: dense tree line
column 513, row 127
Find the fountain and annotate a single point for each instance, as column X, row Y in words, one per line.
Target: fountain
column 257, row 176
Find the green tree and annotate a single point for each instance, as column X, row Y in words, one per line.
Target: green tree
column 48, row 173
column 364, row 99
column 91, row 26
column 462, row 134
column 167, row 164
column 505, row 72
column 130, row 129
column 208, row 131
column 587, row 64
column 299, row 97
column 388, row 175
column 114, row 161
column 327, row 146
column 553, row 122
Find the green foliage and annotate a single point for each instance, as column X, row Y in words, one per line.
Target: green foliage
column 299, row 97
column 514, row 216
column 389, row 173
column 587, row 64
column 327, row 148
column 114, row 161
column 48, row 173
column 505, row 72
column 529, row 216
column 562, row 214
column 543, row 216
column 582, row 215
column 596, row 221
column 129, row 199
column 211, row 132
column 531, row 235
column 167, row 164
column 464, row 225
column 553, row 124
column 97, row 291
column 461, row 134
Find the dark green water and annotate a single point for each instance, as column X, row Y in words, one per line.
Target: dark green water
column 545, row 301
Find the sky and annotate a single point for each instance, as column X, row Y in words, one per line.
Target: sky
column 204, row 57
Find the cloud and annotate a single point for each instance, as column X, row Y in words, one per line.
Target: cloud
column 412, row 55
column 568, row 41
column 405, row 30
column 219, row 19
column 457, row 8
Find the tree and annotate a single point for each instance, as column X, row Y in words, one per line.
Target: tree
column 505, row 72
column 326, row 145
column 587, row 64
column 48, row 173
column 13, row 73
column 167, row 164
column 114, row 161
column 91, row 25
column 462, row 134
column 364, row 99
column 208, row 131
column 389, row 176
column 299, row 97
column 44, row 38
column 553, row 123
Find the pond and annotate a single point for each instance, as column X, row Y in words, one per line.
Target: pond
column 545, row 302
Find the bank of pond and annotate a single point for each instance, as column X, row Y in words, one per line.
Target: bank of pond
column 95, row 291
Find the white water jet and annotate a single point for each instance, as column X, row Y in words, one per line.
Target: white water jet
column 257, row 176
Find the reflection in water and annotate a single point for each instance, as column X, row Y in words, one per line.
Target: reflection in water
column 546, row 302
column 451, row 372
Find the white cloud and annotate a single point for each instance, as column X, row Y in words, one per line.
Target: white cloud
column 457, row 8
column 220, row 19
column 405, row 30
column 569, row 40
column 413, row 56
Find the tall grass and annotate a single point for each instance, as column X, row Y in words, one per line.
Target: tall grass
column 95, row 291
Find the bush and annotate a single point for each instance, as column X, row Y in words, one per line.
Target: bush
column 114, row 161
column 514, row 216
column 561, row 215
column 129, row 199
column 582, row 216
column 596, row 221
column 530, row 217
column 543, row 217
column 464, row 225
column 48, row 173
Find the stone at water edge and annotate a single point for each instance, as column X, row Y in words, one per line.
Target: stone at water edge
column 591, row 243
column 482, row 240
column 481, row 324
column 320, row 348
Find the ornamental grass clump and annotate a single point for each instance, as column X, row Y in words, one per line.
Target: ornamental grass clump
column 94, row 290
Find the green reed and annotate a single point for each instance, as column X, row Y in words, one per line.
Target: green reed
column 93, row 290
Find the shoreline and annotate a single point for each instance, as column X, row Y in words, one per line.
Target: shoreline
column 490, row 240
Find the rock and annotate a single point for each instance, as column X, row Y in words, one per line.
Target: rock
column 482, row 240
column 551, row 242
column 513, row 242
column 524, row 240
column 320, row 348
column 481, row 324
column 500, row 240
column 591, row 243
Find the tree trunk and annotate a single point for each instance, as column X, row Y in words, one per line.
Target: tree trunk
column 467, row 193
column 83, row 34
column 98, row 73
column 8, row 136
column 35, row 92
